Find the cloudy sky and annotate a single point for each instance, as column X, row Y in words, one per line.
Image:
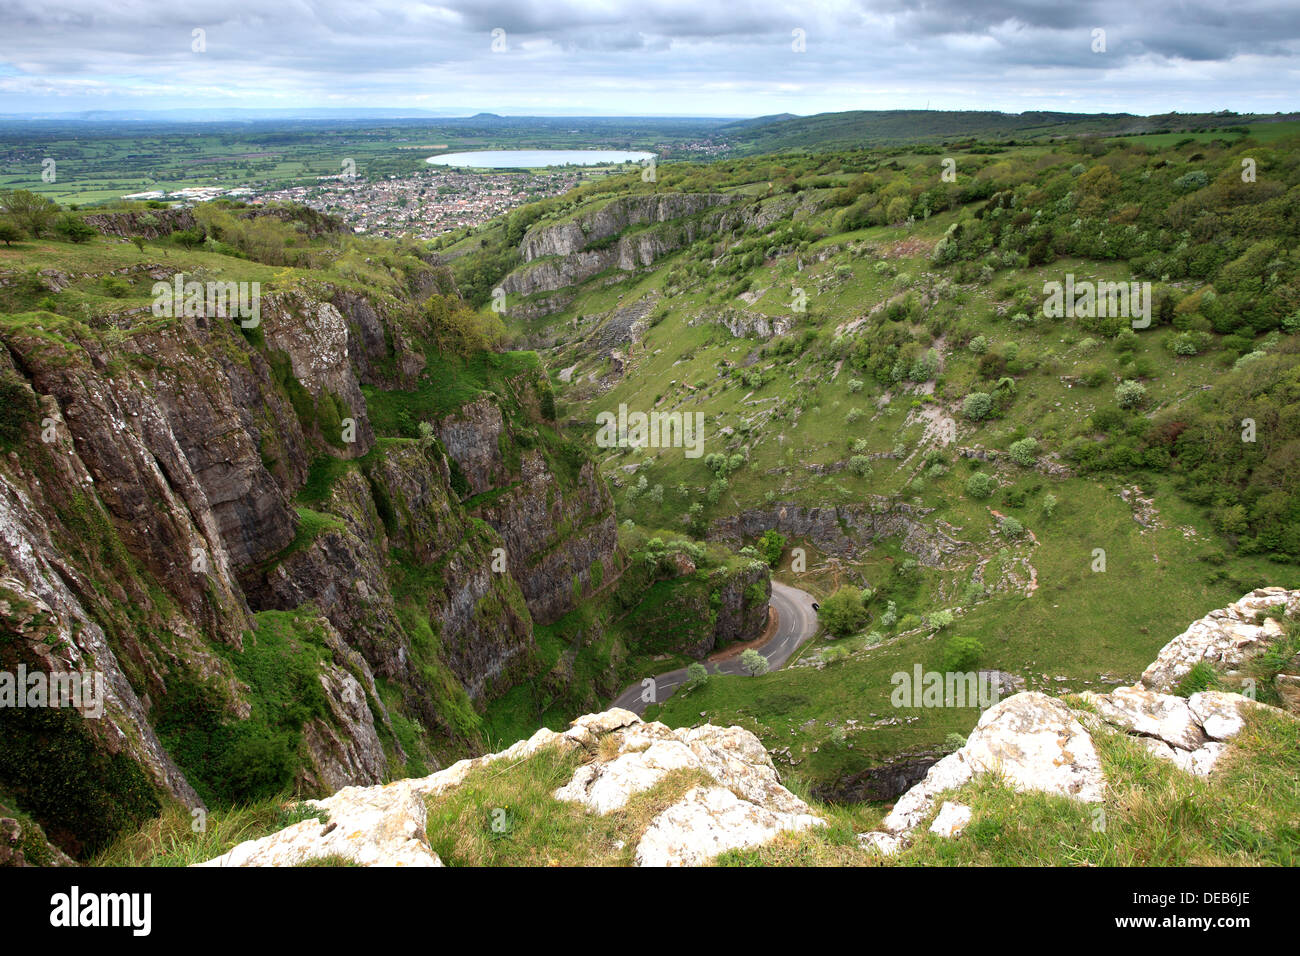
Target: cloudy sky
column 652, row 57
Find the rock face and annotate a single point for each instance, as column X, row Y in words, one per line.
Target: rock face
column 566, row 254
column 613, row 218
column 556, row 535
column 153, row 514
column 148, row 224
column 746, row 805
column 1225, row 637
column 845, row 530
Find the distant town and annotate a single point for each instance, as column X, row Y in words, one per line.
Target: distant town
column 424, row 205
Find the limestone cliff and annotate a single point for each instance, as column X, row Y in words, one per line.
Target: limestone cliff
column 276, row 592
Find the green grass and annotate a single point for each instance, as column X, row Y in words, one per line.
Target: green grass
column 505, row 815
column 178, row 837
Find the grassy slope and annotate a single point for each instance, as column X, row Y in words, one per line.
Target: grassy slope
column 1079, row 629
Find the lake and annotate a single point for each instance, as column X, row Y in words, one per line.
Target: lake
column 534, row 158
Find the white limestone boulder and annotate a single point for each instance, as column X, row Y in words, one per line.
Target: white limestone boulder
column 708, row 821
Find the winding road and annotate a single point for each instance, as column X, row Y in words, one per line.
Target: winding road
column 796, row 622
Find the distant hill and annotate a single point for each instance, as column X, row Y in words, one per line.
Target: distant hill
column 881, row 127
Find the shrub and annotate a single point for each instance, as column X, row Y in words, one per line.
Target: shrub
column 1129, row 394
column 697, row 674
column 890, row 617
column 1024, row 452
column 979, row 345
column 833, row 655
column 116, row 287
column 977, row 406
column 860, row 465
column 29, row 211
column 855, row 385
column 962, row 653
column 842, row 613
column 1093, row 375
column 73, row 228
column 979, row 485
column 939, row 619
column 1196, row 179
column 1011, row 527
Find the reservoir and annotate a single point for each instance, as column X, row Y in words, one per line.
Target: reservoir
column 535, row 158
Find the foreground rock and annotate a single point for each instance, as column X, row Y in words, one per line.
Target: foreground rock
column 1038, row 743
column 745, row 807
column 1225, row 637
column 1031, row 740
column 711, row 820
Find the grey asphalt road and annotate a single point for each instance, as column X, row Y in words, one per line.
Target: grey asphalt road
column 796, row 622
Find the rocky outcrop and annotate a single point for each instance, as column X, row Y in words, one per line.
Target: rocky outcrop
column 744, row 323
column 742, row 604
column 881, row 783
column 1031, row 740
column 613, row 218
column 317, row 340
column 709, row 821
column 846, row 530
column 472, row 436
column 744, row 805
column 1038, row 743
column 1226, row 637
column 556, row 517
column 145, row 223
column 566, row 254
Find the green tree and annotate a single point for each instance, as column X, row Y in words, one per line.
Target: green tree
column 1130, row 394
column 771, row 545
column 842, row 613
column 31, row 212
column 697, row 674
column 977, row 406
column 9, row 232
column 754, row 663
